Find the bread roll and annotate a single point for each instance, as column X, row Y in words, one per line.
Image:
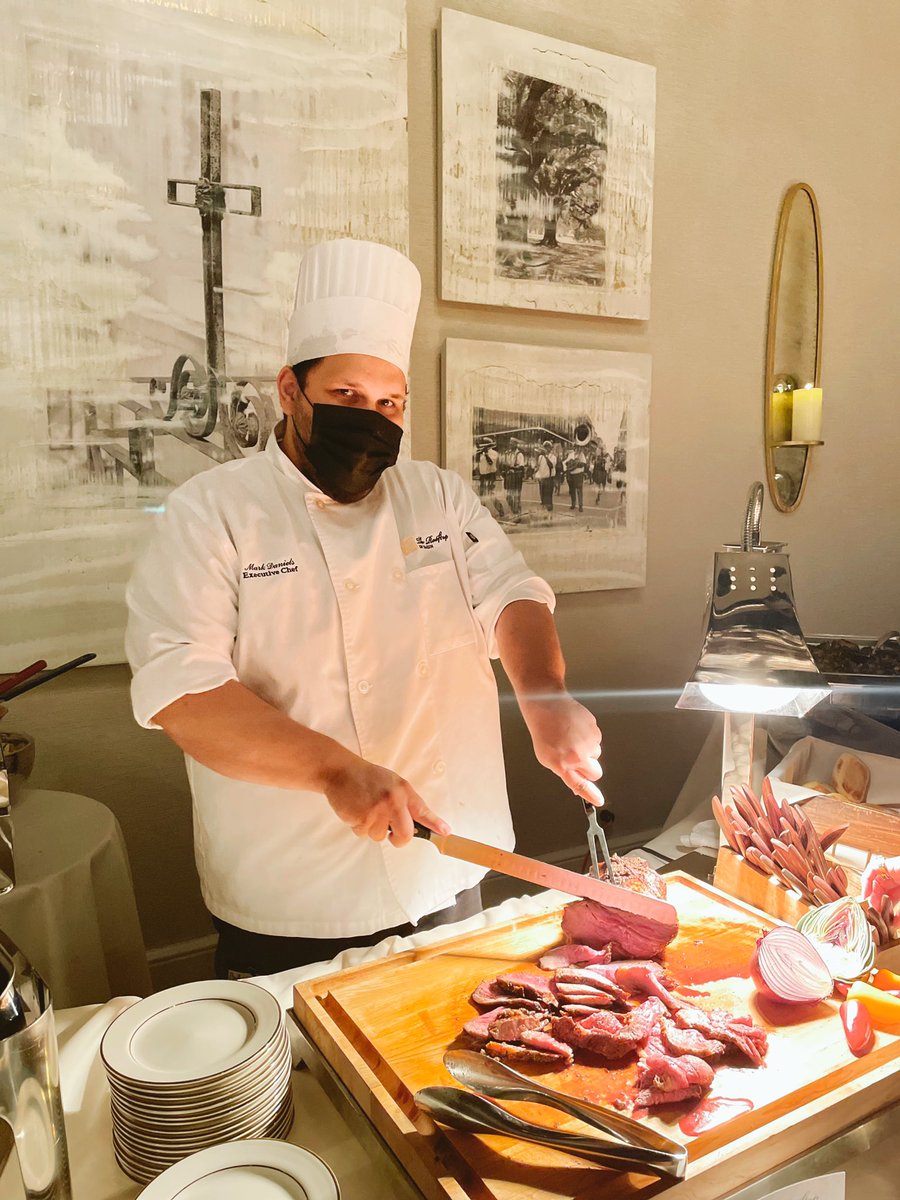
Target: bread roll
column 852, row 777
column 815, row 785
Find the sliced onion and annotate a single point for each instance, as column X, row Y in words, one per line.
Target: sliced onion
column 843, row 937
column 788, row 969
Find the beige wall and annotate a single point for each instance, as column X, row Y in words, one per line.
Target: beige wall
column 752, row 95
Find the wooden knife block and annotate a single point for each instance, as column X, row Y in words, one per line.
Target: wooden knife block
column 738, row 878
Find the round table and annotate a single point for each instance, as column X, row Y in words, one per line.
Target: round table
column 72, row 911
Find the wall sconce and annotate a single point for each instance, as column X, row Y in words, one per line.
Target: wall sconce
column 792, row 400
column 754, row 659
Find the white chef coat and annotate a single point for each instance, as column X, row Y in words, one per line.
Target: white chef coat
column 372, row 623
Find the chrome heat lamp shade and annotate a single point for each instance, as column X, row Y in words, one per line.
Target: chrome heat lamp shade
column 754, row 657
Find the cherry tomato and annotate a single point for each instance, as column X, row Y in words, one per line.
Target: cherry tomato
column 857, row 1027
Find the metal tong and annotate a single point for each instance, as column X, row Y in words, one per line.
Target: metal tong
column 629, row 1146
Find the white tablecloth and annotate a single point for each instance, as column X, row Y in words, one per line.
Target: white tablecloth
column 318, row 1126
column 72, row 911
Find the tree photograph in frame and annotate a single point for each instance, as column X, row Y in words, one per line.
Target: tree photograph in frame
column 166, row 168
column 555, row 442
column 547, row 168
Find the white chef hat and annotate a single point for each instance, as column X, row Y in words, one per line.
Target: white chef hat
column 354, row 297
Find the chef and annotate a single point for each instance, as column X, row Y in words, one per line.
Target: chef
column 313, row 627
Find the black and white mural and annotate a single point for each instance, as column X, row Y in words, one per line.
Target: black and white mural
column 547, row 172
column 555, row 443
column 165, row 168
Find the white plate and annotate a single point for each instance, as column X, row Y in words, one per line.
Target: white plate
column 223, row 1083
column 145, row 1168
column 195, row 1031
column 204, row 1102
column 192, row 1137
column 254, row 1170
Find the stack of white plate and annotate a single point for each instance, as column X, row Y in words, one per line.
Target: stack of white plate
column 195, row 1066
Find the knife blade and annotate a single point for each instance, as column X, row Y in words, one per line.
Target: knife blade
column 634, row 904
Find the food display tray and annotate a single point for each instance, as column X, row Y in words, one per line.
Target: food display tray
column 384, row 1027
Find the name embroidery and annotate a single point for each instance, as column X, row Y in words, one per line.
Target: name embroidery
column 262, row 570
column 432, row 540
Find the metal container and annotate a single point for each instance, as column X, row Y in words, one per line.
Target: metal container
column 872, row 693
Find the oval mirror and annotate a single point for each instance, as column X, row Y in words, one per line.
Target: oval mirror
column 793, row 341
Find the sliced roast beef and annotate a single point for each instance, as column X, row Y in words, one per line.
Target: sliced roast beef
column 539, row 1040
column 638, row 980
column 489, row 994
column 573, row 994
column 479, row 1028
column 610, row 1042
column 690, row 1041
column 736, row 1032
column 513, row 1053
column 611, row 1035
column 511, row 1025
column 578, row 1009
column 598, row 978
column 533, row 987
column 627, row 935
column 572, row 955
column 667, row 1080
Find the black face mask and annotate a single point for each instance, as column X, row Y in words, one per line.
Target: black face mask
column 348, row 449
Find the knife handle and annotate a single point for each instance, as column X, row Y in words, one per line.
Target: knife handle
column 422, row 831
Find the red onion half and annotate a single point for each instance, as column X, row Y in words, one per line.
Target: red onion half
column 788, row 969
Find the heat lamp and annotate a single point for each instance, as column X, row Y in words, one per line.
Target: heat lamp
column 754, row 660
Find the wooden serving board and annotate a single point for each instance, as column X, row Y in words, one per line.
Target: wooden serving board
column 385, row 1026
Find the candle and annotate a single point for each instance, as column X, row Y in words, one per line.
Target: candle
column 782, row 406
column 807, row 415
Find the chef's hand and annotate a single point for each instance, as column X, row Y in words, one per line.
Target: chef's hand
column 566, row 741
column 377, row 803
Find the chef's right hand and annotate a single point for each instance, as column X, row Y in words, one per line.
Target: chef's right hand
column 377, row 803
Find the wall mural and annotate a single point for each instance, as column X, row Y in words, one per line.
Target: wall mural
column 556, row 443
column 165, row 168
column 547, row 172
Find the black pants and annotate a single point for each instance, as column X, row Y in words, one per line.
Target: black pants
column 240, row 952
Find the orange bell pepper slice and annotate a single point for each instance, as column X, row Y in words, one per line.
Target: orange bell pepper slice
column 883, row 1008
column 886, row 980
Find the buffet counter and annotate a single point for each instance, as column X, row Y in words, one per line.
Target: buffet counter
column 331, row 1124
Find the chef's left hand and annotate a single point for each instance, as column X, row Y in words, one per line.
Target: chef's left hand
column 566, row 741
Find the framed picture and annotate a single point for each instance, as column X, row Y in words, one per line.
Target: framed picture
column 167, row 166
column 556, row 444
column 547, row 172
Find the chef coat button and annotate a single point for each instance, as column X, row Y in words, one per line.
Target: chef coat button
column 351, row 585
column 320, row 504
column 399, row 574
column 422, row 668
column 439, row 767
column 364, row 686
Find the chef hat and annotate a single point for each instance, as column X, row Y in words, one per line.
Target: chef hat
column 354, row 297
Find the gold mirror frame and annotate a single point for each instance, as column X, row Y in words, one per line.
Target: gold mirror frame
column 802, row 453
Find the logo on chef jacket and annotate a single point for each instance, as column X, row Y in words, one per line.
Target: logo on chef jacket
column 263, row 570
column 425, row 542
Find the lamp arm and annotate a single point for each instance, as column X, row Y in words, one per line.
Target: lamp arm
column 750, row 539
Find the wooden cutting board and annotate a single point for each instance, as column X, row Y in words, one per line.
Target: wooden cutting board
column 385, row 1026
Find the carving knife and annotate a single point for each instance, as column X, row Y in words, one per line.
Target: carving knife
column 635, row 905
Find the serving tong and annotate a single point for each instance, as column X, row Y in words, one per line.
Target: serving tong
column 629, row 1146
